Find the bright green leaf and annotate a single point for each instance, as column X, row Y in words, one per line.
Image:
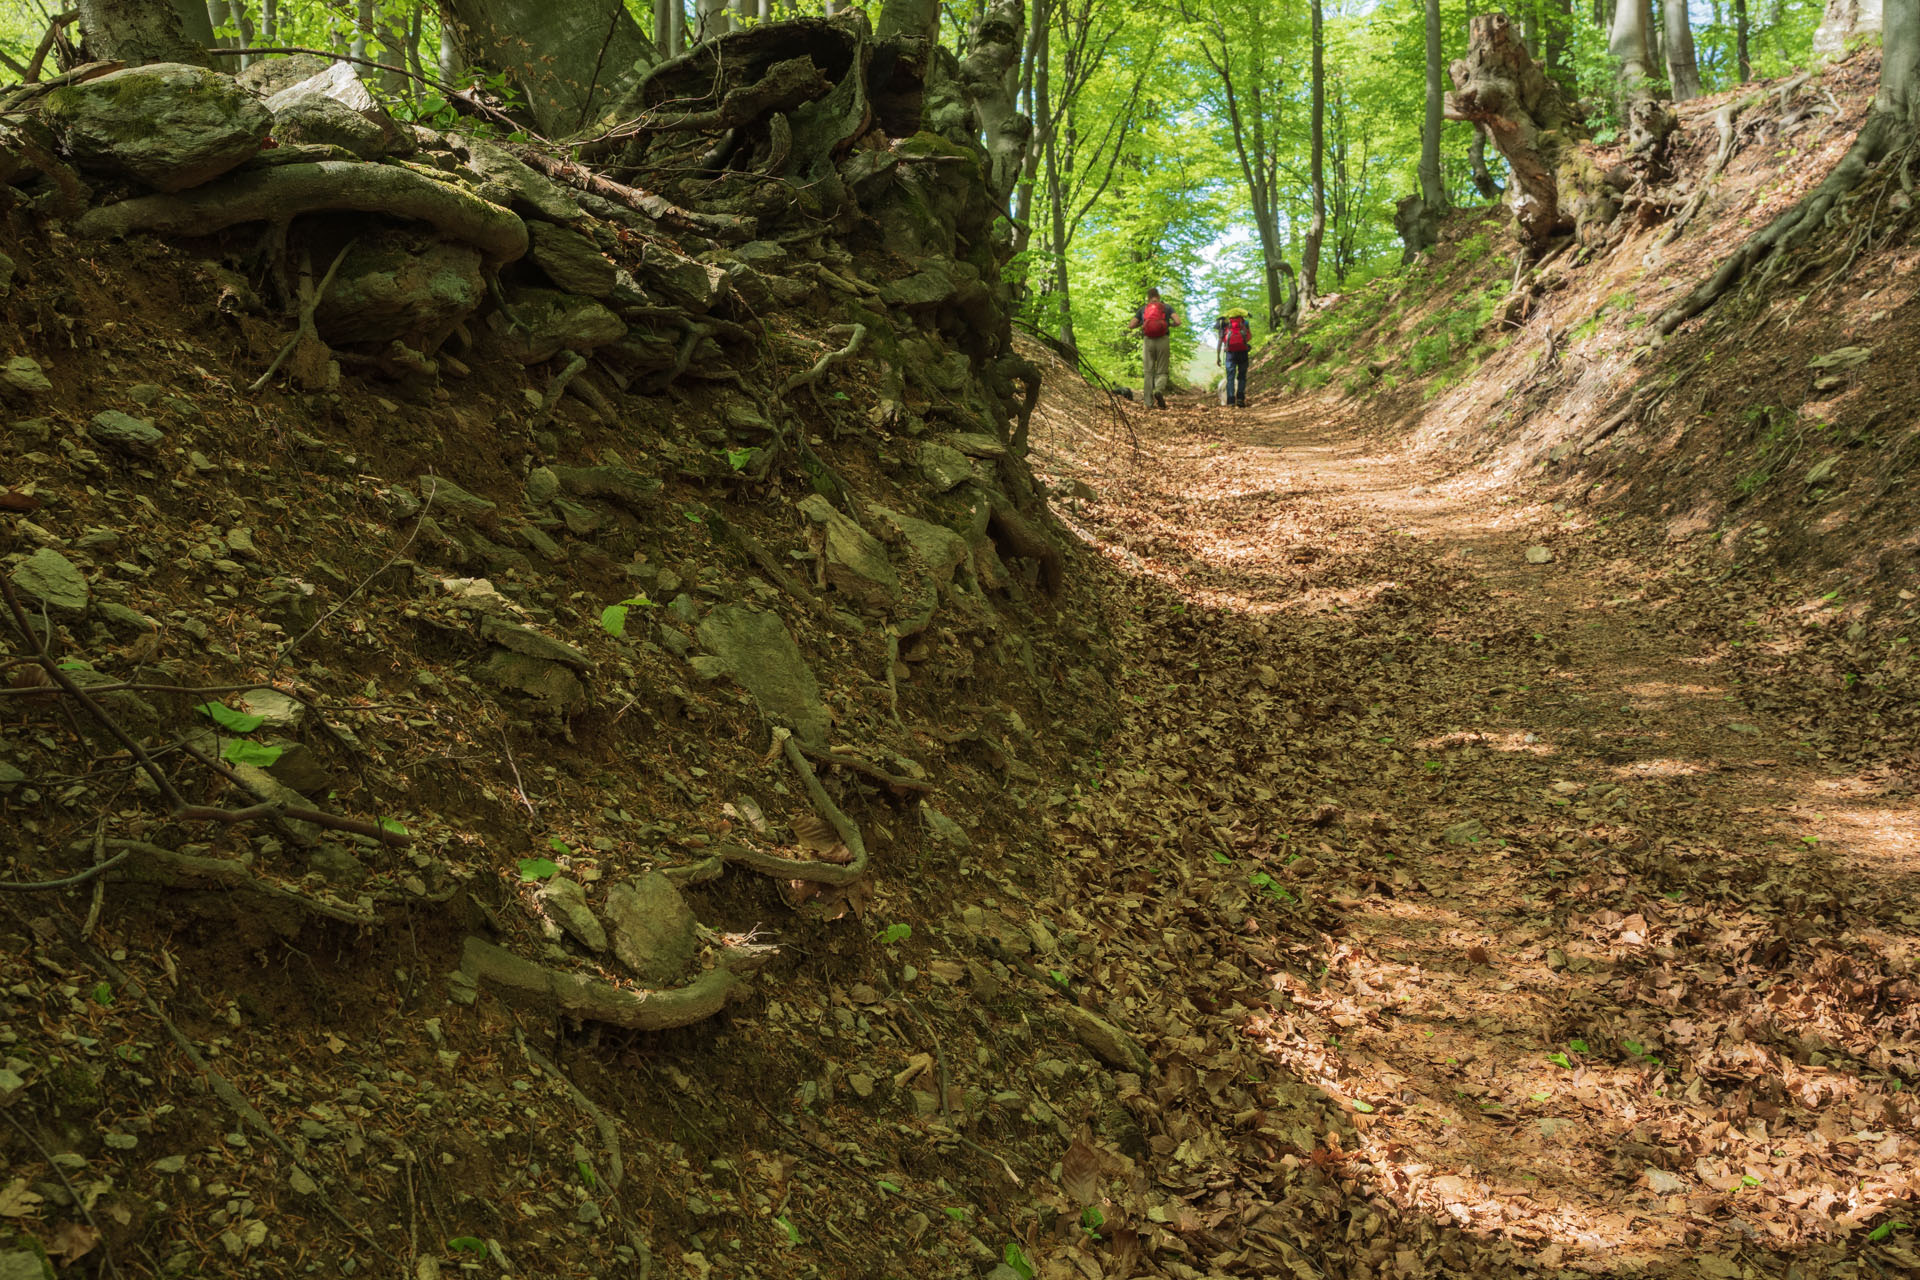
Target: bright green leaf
column 536, row 869
column 614, row 619
column 229, row 719
column 240, row 751
column 467, row 1244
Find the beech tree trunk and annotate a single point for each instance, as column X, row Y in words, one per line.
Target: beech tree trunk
column 137, row 32
column 1559, row 30
column 571, row 61
column 1316, row 165
column 990, row 75
column 1844, row 21
column 918, row 18
column 1741, row 56
column 1418, row 217
column 1683, row 71
column 1477, row 164
column 1627, row 42
column 713, row 20
column 1554, row 189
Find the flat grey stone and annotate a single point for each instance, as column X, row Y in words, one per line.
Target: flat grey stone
column 943, row 467
column 856, row 563
column 126, row 435
column 450, row 501
column 565, row 903
column 511, row 635
column 51, row 579
column 756, row 650
column 573, row 262
column 653, row 930
column 24, row 374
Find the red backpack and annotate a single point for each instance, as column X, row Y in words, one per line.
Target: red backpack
column 1239, row 335
column 1153, row 319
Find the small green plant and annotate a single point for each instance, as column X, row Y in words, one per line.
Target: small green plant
column 1091, row 1220
column 534, row 870
column 587, row 1178
column 467, row 1244
column 1266, row 884
column 102, row 993
column 1560, row 1060
column 738, row 458
column 613, row 618
column 1017, row 1262
column 895, row 933
column 786, row 1224
column 1886, row 1229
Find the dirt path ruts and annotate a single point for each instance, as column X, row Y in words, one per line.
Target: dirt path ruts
column 1610, row 973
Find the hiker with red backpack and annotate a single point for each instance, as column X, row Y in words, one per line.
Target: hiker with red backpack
column 1235, row 343
column 1156, row 322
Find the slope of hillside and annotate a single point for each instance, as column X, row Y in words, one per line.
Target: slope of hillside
column 1755, row 460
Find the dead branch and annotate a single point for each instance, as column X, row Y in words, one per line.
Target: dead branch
column 47, row 41
column 305, row 331
column 872, row 770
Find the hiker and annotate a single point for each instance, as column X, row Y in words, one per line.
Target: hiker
column 1156, row 322
column 1233, row 342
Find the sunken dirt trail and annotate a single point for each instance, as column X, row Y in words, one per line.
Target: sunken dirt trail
column 1518, row 940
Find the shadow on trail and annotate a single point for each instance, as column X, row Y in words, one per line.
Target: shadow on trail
column 1565, row 953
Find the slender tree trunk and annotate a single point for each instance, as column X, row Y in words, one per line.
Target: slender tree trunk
column 137, row 32
column 1683, row 70
column 1559, row 30
column 677, row 26
column 1316, row 165
column 1627, row 42
column 1038, row 47
column 1529, row 27
column 1432, row 190
column 1477, row 164
column 1742, row 58
column 919, row 18
column 1043, row 93
column 1656, row 46
column 362, row 25
column 713, row 19
column 449, row 50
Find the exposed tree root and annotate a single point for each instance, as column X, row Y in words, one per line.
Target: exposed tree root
column 810, row 376
column 721, row 226
column 1017, row 537
column 311, row 359
column 140, row 862
column 787, row 85
column 1882, row 133
column 283, row 193
column 553, row 992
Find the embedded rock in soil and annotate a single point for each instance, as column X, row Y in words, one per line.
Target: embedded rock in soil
column 857, row 564
column 654, row 932
column 51, row 579
column 1107, row 1042
column 755, row 649
column 126, row 435
column 525, row 640
column 450, row 500
column 573, row 262
column 168, row 125
column 697, row 286
column 1539, row 555
column 401, row 285
column 552, row 322
column 335, row 108
column 937, row 547
column 565, row 903
column 505, row 180
column 550, row 684
column 943, row 467
column 275, row 709
column 23, row 374
column 270, row 75
column 298, row 768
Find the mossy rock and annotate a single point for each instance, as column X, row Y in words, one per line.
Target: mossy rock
column 169, row 125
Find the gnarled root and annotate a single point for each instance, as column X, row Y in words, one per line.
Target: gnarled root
column 1017, row 537
column 1884, row 132
column 553, row 992
column 281, row 194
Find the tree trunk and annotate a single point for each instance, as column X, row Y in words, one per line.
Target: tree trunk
column 914, row 18
column 1627, row 42
column 1038, row 48
column 1656, row 51
column 711, row 20
column 990, row 75
column 1477, row 163
column 1554, row 187
column 362, row 25
column 571, row 61
column 1043, row 104
column 1683, row 72
column 269, row 22
column 1559, row 25
column 137, row 32
column 1418, row 217
column 677, row 27
column 449, row 51
column 1843, row 22
column 1316, row 165
column 1741, row 57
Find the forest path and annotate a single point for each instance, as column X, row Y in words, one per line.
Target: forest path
column 1592, row 962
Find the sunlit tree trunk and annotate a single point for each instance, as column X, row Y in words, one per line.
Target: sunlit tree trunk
column 1316, row 165
column 1038, row 48
column 1418, row 217
column 1683, row 71
column 570, row 60
column 140, row 31
column 1741, row 57
column 1056, row 208
column 449, row 51
column 1559, row 31
column 713, row 19
column 362, row 25
column 1627, row 42
column 919, row 18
